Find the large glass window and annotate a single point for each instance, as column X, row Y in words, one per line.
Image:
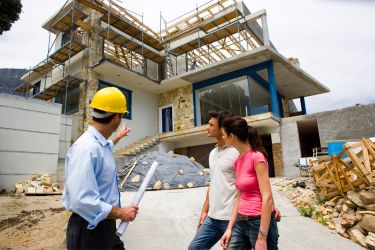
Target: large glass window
column 231, row 95
column 71, row 99
column 241, row 96
column 260, row 100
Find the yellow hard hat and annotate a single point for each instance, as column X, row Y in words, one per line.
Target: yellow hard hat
column 110, row 99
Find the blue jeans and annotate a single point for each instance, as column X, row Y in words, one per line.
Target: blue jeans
column 208, row 234
column 245, row 234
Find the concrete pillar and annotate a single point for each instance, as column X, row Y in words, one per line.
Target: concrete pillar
column 91, row 56
column 277, row 154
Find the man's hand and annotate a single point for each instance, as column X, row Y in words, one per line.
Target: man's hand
column 277, row 214
column 129, row 213
column 201, row 219
column 123, row 131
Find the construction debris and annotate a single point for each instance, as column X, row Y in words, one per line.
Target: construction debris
column 339, row 175
column 174, row 171
column 40, row 184
column 352, row 215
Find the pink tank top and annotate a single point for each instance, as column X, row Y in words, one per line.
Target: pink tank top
column 247, row 182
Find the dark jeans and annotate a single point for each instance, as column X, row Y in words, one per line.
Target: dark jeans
column 208, row 234
column 103, row 236
column 245, row 234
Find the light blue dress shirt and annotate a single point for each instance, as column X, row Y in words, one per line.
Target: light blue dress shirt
column 91, row 187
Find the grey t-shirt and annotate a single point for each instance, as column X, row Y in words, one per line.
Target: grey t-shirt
column 222, row 186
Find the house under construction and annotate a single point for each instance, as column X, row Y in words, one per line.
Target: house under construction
column 217, row 57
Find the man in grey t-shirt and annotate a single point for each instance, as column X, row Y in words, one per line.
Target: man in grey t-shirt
column 217, row 208
column 218, row 205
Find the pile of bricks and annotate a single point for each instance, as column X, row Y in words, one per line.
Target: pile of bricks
column 40, row 184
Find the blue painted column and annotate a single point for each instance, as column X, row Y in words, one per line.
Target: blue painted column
column 303, row 104
column 273, row 93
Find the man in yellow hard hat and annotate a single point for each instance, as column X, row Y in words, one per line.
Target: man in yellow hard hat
column 91, row 190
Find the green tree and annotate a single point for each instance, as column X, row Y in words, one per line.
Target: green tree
column 9, row 13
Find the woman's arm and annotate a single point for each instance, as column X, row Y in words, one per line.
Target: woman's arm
column 226, row 236
column 267, row 202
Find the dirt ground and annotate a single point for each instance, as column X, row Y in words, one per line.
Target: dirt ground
column 32, row 222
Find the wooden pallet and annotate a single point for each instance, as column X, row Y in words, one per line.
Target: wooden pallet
column 338, row 176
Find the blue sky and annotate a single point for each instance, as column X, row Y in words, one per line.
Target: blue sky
column 333, row 39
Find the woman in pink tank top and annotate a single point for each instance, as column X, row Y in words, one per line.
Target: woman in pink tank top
column 252, row 224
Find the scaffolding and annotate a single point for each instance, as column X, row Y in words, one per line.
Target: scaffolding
column 214, row 31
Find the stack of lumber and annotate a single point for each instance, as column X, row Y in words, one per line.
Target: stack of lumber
column 355, row 171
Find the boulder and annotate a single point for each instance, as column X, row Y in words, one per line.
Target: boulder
column 348, row 220
column 350, row 204
column 370, row 207
column 367, row 197
column 190, row 185
column 338, row 208
column 357, row 237
column 370, row 241
column 368, row 223
column 354, row 197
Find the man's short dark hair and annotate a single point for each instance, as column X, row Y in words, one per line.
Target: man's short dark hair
column 220, row 116
column 103, row 120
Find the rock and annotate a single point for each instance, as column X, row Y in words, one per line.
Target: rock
column 368, row 223
column 354, row 197
column 157, row 185
column 206, row 170
column 170, row 152
column 181, row 172
column 330, row 204
column 39, row 190
column 192, row 159
column 56, row 189
column 358, row 217
column 34, row 184
column 370, row 241
column 166, row 185
column 348, row 220
column 347, row 209
column 180, row 186
column 207, row 183
column 360, row 228
column 144, row 162
column 370, row 207
column 357, row 237
column 331, row 225
column 367, row 197
column 49, row 190
column 338, row 208
column 190, row 185
column 136, row 179
column 335, row 214
column 341, row 201
column 350, row 204
column 200, row 173
column 31, row 190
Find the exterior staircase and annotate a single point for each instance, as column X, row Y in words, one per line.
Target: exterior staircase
column 138, row 147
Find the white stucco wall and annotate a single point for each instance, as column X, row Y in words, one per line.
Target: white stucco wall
column 144, row 120
column 29, row 138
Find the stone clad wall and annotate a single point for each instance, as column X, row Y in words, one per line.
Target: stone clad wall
column 277, row 159
column 182, row 105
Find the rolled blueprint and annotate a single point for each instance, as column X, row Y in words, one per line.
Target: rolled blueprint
column 124, row 224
